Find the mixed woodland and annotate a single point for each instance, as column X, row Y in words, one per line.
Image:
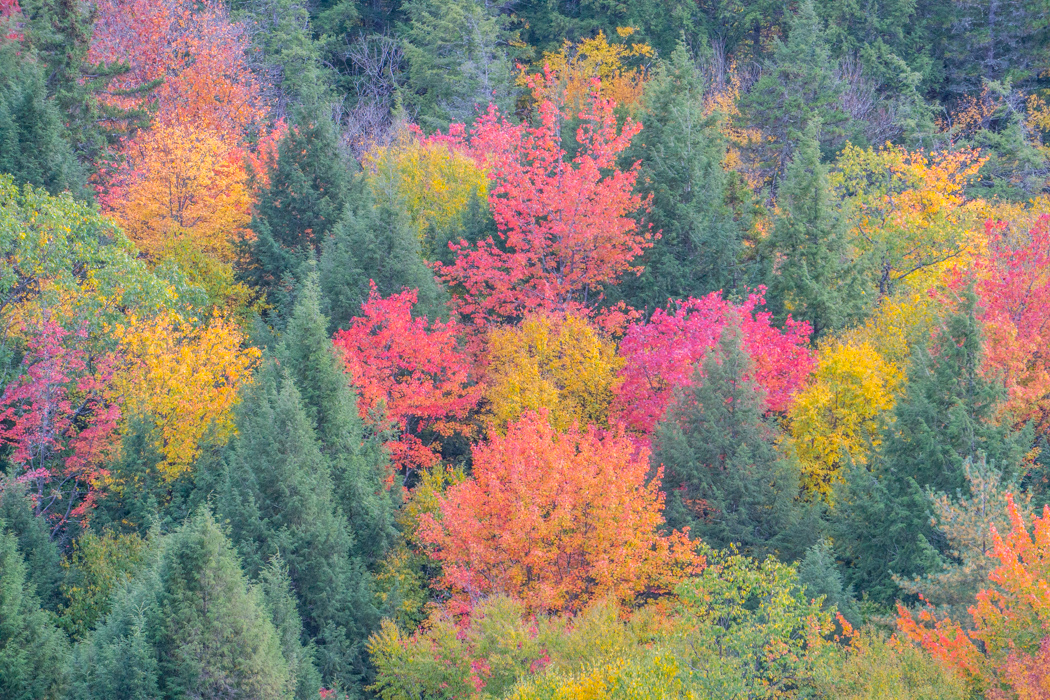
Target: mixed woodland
column 537, row 350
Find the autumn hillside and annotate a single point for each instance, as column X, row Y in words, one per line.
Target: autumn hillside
column 525, row 350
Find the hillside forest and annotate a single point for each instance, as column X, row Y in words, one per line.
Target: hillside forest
column 524, row 350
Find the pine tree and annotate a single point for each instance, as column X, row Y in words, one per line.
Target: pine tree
column 187, row 626
column 809, row 274
column 373, row 243
column 723, row 475
column 354, row 456
column 456, row 65
column 305, row 197
column 33, row 536
column 277, row 495
column 701, row 244
column 33, row 652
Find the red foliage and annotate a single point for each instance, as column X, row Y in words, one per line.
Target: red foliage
column 1012, row 281
column 663, row 354
column 10, row 14
column 57, row 420
column 556, row 520
column 565, row 225
column 411, row 369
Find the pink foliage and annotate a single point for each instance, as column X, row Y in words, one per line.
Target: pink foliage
column 663, row 354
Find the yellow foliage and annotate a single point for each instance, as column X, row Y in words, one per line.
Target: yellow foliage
column 185, row 377
column 899, row 323
column 561, row 364
column 183, row 185
column 908, row 210
column 576, row 67
column 841, row 411
column 655, row 678
column 430, row 180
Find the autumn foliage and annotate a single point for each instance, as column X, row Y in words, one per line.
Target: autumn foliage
column 411, row 370
column 565, row 225
column 556, row 520
column 662, row 354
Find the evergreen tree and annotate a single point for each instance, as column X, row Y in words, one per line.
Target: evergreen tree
column 305, row 197
column 33, row 652
column 355, row 458
column 188, row 626
column 277, row 496
column 33, row 537
column 809, row 273
column 701, row 244
column 946, row 417
column 820, row 574
column 723, row 475
column 373, row 244
column 456, row 66
column 276, row 588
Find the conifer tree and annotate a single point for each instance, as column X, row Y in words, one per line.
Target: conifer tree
column 306, row 193
column 723, row 475
column 277, row 495
column 701, row 244
column 276, row 588
column 809, row 274
column 456, row 65
column 820, row 574
column 188, row 626
column 32, row 534
column 33, row 652
column 373, row 243
column 354, row 456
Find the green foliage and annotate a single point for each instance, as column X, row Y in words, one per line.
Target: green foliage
column 809, row 273
column 97, row 567
column 374, row 243
column 723, row 475
column 33, row 652
column 188, row 626
column 456, row 61
column 33, row 536
column 701, row 244
column 276, row 588
column 820, row 574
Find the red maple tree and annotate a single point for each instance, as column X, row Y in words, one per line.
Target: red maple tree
column 663, row 353
column 410, row 369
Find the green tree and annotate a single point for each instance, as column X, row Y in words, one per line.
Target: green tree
column 306, row 194
column 808, row 266
column 188, row 626
column 374, row 243
column 33, row 536
column 723, row 475
column 276, row 588
column 353, row 454
column 276, row 492
column 33, row 652
column 819, row 573
column 456, row 64
column 701, row 244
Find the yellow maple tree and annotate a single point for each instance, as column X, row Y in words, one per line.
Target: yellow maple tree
column 183, row 375
column 562, row 364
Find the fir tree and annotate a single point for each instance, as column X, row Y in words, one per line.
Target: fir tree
column 820, row 574
column 456, row 65
column 33, row 652
column 277, row 495
column 723, row 475
column 276, row 588
column 305, row 197
column 373, row 244
column 33, row 537
column 355, row 458
column 701, row 244
column 809, row 272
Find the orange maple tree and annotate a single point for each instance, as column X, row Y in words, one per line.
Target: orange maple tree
column 556, row 520
column 1011, row 617
column 410, row 369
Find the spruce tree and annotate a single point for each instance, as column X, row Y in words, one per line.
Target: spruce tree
column 819, row 573
column 33, row 652
column 701, row 244
column 278, row 497
column 373, row 244
column 33, row 537
column 306, row 193
column 188, row 626
column 354, row 456
column 809, row 273
column 456, row 62
column 276, row 587
column 723, row 475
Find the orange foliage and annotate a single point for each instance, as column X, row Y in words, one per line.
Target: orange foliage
column 1011, row 617
column 556, row 520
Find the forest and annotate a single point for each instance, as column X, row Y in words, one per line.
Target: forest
column 524, row 350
